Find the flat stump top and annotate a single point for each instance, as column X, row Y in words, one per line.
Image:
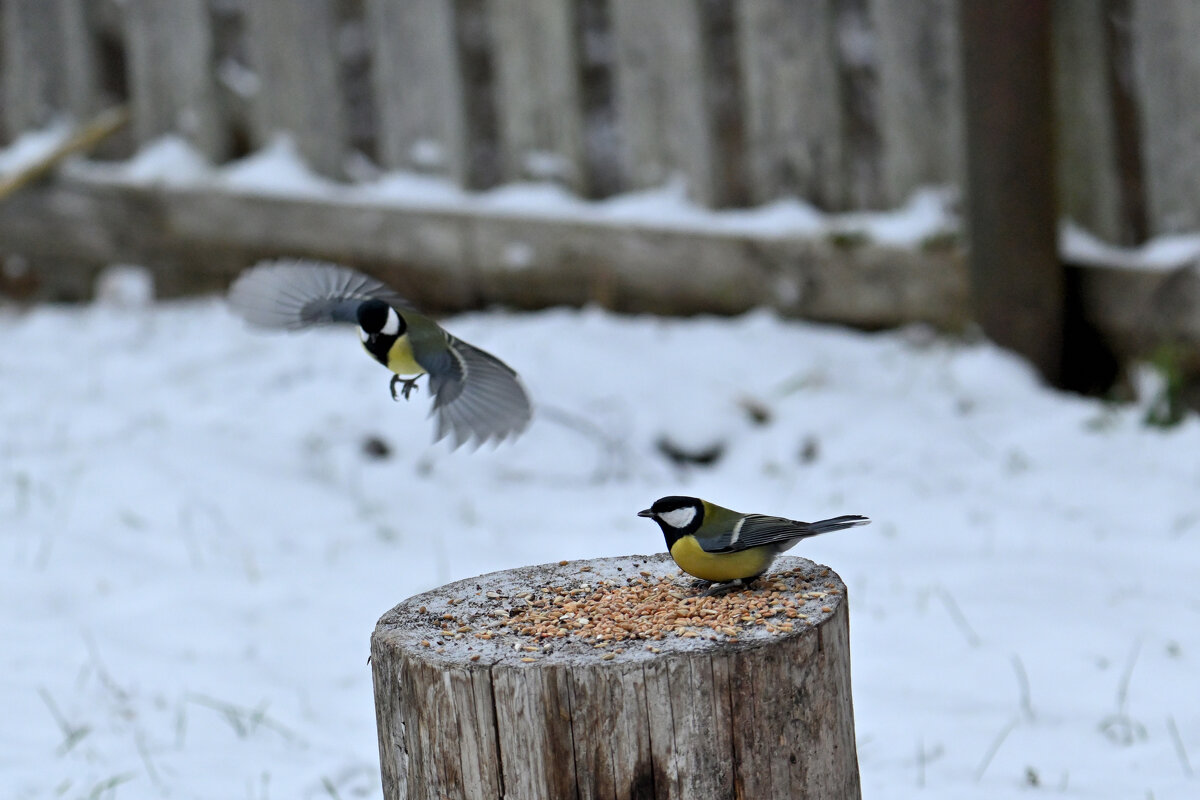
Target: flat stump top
column 625, row 608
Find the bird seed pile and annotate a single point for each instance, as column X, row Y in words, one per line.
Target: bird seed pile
column 642, row 608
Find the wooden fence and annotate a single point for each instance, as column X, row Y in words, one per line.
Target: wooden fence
column 847, row 104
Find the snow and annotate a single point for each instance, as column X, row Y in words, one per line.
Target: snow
column 279, row 170
column 31, row 147
column 1162, row 253
column 195, row 542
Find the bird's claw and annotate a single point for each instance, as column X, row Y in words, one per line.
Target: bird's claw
column 409, row 385
column 718, row 589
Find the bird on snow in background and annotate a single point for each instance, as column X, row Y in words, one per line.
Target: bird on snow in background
column 475, row 395
column 726, row 547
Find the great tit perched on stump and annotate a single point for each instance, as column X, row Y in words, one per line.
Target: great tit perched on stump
column 726, row 547
column 476, row 396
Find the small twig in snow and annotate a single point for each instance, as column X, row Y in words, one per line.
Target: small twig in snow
column 1180, row 750
column 1119, row 727
column 958, row 617
column 106, row 678
column 72, row 734
column 244, row 721
column 109, row 784
column 140, row 742
column 925, row 757
column 995, row 748
column 330, row 788
column 1023, row 684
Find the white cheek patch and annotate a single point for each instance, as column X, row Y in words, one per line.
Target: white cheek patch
column 392, row 326
column 679, row 518
column 363, row 335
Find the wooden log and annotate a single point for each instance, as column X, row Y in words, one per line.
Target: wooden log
column 171, row 73
column 471, row 705
column 294, row 52
column 195, row 239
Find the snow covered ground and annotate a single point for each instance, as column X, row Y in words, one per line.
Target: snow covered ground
column 196, row 540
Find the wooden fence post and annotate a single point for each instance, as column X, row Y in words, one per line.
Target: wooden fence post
column 1016, row 278
column 504, row 686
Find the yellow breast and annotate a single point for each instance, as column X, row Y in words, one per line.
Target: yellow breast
column 720, row 567
column 400, row 358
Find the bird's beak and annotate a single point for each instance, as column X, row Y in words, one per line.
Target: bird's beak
column 646, row 513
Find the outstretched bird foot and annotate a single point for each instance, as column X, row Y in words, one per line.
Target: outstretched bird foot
column 718, row 589
column 409, row 385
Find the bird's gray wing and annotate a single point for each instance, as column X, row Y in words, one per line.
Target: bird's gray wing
column 293, row 294
column 753, row 530
column 756, row 530
column 475, row 395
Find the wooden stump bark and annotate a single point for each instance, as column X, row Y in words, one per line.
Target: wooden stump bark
column 497, row 687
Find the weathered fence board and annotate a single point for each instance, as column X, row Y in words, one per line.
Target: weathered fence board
column 1089, row 184
column 419, row 88
column 1167, row 69
column 539, row 99
column 794, row 141
column 294, row 51
column 171, row 80
column 920, row 94
column 661, row 66
column 48, row 62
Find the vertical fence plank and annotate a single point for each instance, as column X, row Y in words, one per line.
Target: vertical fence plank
column 663, row 96
column 293, row 49
column 1089, row 186
column 171, row 81
column 794, row 142
column 539, row 97
column 920, row 94
column 49, row 62
column 419, row 87
column 1167, row 69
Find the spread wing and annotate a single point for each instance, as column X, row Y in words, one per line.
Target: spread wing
column 293, row 294
column 475, row 395
column 756, row 530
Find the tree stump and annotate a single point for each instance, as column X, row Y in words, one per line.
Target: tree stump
column 502, row 686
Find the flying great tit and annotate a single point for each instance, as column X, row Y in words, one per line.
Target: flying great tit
column 475, row 395
column 716, row 544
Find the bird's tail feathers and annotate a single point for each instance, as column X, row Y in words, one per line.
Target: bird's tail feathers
column 836, row 524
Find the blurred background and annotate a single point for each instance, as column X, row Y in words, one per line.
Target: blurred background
column 801, row 257
column 1072, row 120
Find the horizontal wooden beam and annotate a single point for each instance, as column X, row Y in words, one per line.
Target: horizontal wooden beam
column 196, row 239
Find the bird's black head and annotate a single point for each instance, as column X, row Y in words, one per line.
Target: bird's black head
column 379, row 327
column 677, row 516
column 376, row 316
